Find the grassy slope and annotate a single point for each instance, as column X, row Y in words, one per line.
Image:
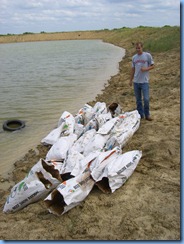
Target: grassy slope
column 155, row 38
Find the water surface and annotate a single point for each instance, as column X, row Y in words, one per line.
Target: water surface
column 40, row 80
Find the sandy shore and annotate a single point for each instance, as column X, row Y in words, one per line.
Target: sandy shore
column 147, row 207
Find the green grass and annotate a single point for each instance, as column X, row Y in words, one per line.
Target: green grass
column 155, row 39
column 166, row 40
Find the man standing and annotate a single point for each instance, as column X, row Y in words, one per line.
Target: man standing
column 142, row 63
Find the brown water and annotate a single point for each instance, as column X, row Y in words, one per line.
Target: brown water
column 40, row 80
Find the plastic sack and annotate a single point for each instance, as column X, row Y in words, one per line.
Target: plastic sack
column 96, row 143
column 117, row 171
column 99, row 108
column 78, row 130
column 84, row 163
column 86, row 112
column 40, row 181
column 103, row 118
column 60, row 148
column 92, row 124
column 70, row 193
column 89, row 112
column 73, row 158
column 126, row 125
column 81, row 143
column 65, row 115
column 67, row 125
column 98, row 166
column 108, row 126
column 79, row 119
column 53, row 136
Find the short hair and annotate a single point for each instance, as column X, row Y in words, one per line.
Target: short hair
column 139, row 43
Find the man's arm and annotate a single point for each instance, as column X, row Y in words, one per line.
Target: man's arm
column 132, row 75
column 147, row 68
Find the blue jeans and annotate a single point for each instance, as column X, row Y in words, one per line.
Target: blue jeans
column 142, row 89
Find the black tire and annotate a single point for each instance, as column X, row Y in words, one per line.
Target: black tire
column 14, row 124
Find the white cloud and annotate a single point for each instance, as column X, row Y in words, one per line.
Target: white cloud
column 68, row 15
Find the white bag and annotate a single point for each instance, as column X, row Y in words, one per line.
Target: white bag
column 79, row 119
column 108, row 126
column 117, row 171
column 96, row 143
column 81, row 143
column 103, row 118
column 65, row 127
column 78, row 130
column 84, row 163
column 99, row 108
column 73, row 158
column 41, row 180
column 98, row 166
column 86, row 112
column 67, row 124
column 70, row 193
column 127, row 124
column 65, row 115
column 92, row 124
column 53, row 136
column 122, row 168
column 60, row 148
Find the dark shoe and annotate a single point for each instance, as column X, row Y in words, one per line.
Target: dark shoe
column 149, row 118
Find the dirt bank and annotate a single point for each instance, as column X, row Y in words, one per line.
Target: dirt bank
column 147, row 207
column 30, row 37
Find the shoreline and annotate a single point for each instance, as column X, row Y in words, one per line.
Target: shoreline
column 28, row 139
column 32, row 37
column 147, row 207
column 40, row 150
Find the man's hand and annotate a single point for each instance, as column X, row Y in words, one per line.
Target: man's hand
column 143, row 69
column 130, row 83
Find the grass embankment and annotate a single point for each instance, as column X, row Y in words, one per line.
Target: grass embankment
column 155, row 39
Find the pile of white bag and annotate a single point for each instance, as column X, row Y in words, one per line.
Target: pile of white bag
column 86, row 150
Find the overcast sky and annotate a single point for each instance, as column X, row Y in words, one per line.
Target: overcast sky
column 19, row 16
